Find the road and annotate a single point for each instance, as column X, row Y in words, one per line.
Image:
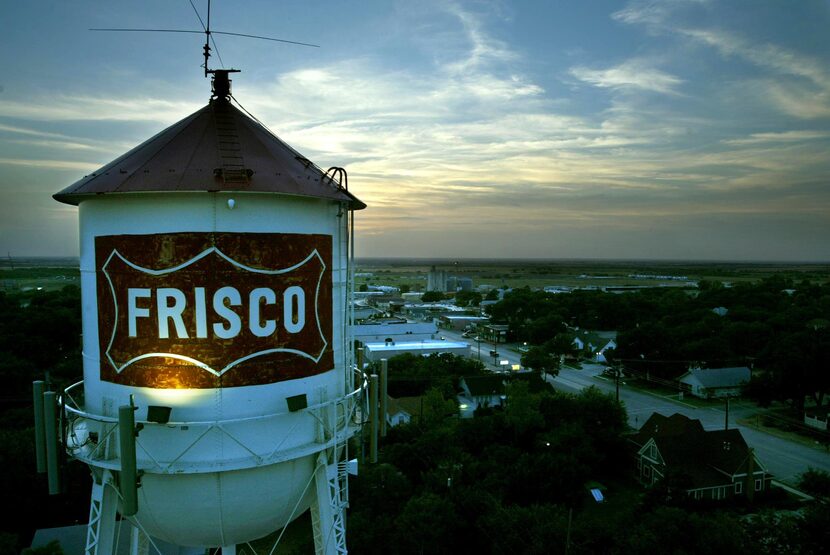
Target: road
column 784, row 458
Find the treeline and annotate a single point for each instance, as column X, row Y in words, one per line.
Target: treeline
column 40, row 334
column 500, row 482
column 412, row 375
column 774, row 325
column 515, row 480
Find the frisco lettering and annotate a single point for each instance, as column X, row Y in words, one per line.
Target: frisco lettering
column 170, row 303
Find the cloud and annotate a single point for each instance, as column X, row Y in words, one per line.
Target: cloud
column 779, row 137
column 49, row 164
column 85, row 108
column 484, row 49
column 632, row 74
column 768, row 56
column 470, row 142
column 806, row 95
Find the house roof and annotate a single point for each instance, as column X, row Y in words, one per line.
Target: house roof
column 394, row 328
column 598, row 339
column 707, row 458
column 216, row 149
column 483, row 386
column 410, row 405
column 666, row 426
column 713, row 378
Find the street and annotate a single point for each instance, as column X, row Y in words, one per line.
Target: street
column 785, row 459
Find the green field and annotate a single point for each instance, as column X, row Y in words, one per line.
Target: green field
column 55, row 273
column 33, row 278
column 571, row 273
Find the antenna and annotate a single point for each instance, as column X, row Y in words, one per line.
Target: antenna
column 208, row 38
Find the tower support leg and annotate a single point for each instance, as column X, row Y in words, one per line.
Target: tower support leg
column 100, row 534
column 327, row 510
column 139, row 542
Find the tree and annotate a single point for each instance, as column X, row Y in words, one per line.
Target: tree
column 426, row 525
column 815, row 482
column 405, row 288
column 541, row 360
column 468, row 298
column 562, row 344
column 432, row 296
column 522, row 410
column 436, row 408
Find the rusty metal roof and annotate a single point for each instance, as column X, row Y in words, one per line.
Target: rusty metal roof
column 216, row 149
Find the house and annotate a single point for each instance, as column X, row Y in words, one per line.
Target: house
column 402, row 410
column 714, row 382
column 714, row 464
column 595, row 343
column 816, row 417
column 480, row 391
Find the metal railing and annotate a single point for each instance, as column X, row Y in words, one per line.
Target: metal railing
column 93, row 438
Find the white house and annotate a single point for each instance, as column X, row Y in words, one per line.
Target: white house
column 715, row 382
column 396, row 414
column 596, row 343
column 480, row 391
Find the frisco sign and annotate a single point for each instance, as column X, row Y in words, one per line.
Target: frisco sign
column 202, row 310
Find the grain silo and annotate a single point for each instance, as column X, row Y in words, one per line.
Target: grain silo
column 215, row 264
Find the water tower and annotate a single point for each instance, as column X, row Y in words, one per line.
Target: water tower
column 215, row 276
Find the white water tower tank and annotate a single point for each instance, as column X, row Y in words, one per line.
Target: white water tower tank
column 214, row 275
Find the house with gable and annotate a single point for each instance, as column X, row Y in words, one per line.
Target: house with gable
column 595, row 343
column 708, row 383
column 403, row 410
column 713, row 465
column 480, row 391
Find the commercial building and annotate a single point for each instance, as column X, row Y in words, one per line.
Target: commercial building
column 376, row 351
column 394, row 332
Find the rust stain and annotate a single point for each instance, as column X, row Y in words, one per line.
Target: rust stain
column 157, row 328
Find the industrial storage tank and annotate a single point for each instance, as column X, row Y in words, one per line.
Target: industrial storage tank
column 215, row 265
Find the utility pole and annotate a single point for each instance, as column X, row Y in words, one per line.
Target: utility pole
column 384, row 379
column 568, row 534
column 495, row 348
column 373, row 416
column 617, row 380
column 726, row 418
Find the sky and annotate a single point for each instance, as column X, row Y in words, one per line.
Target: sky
column 676, row 129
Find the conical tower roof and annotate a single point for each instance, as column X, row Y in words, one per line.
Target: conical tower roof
column 216, row 149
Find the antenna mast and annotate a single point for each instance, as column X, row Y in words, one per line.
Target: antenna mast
column 222, row 74
column 207, row 41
